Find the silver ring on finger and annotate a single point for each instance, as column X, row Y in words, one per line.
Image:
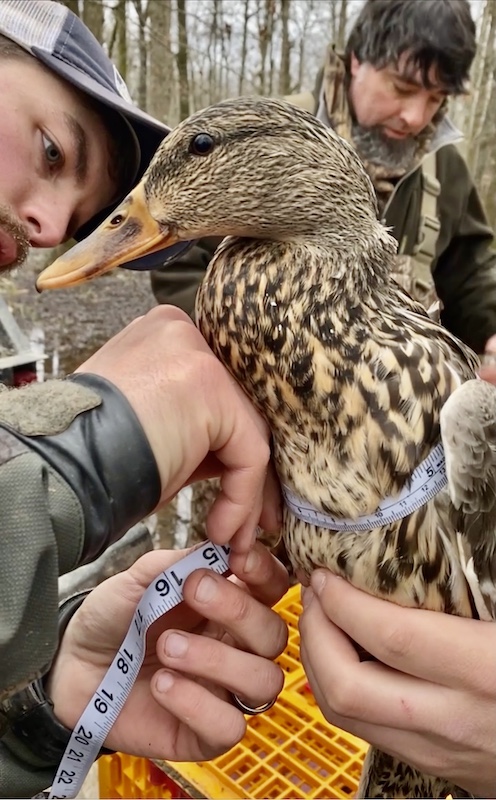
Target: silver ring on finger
column 252, row 710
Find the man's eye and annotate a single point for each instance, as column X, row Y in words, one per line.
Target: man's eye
column 402, row 90
column 52, row 152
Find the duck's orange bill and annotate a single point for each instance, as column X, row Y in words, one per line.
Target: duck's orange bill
column 128, row 233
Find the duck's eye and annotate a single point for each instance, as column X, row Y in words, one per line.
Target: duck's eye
column 201, row 144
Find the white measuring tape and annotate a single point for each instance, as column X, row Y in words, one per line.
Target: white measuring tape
column 93, row 727
column 425, row 482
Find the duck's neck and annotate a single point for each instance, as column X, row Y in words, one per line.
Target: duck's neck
column 342, row 268
column 352, row 270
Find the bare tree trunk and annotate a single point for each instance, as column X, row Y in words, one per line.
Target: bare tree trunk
column 303, row 40
column 141, row 7
column 92, row 16
column 118, row 38
column 483, row 88
column 334, row 20
column 285, row 70
column 262, row 43
column 161, row 64
column 212, row 53
column 478, row 72
column 272, row 24
column 225, row 47
column 343, row 18
column 182, row 60
column 143, row 65
column 242, row 67
column 265, row 27
column 301, row 65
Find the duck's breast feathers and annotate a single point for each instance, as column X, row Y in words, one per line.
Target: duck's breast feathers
column 362, row 380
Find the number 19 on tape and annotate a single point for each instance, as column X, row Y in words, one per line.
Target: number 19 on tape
column 94, row 725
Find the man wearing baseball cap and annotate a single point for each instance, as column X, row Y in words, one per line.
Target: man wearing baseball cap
column 83, row 459
column 63, row 44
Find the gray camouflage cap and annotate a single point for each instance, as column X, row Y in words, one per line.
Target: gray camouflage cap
column 61, row 41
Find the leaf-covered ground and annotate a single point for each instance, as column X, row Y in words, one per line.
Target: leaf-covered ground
column 78, row 320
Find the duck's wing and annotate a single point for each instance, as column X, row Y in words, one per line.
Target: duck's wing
column 424, row 324
column 468, row 430
column 414, row 365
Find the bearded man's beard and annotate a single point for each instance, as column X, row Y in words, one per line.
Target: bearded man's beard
column 13, row 226
column 397, row 155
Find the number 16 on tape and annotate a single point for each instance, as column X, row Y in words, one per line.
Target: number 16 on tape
column 96, row 721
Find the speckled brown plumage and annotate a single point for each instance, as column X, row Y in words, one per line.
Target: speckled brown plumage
column 356, row 382
column 351, row 376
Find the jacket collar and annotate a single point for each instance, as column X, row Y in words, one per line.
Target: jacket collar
column 446, row 133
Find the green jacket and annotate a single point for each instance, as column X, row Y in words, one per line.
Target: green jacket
column 76, row 472
column 464, row 269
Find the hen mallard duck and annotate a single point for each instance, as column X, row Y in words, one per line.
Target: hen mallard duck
column 357, row 384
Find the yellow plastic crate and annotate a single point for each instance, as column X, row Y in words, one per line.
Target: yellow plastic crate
column 126, row 776
column 288, row 752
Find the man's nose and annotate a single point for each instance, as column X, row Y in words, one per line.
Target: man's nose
column 46, row 219
column 416, row 113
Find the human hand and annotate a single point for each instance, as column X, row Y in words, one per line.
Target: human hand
column 198, row 421
column 429, row 700
column 231, row 637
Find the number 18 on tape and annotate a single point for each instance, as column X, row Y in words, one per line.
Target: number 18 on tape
column 93, row 727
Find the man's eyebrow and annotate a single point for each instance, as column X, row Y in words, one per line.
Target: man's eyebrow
column 407, row 77
column 413, row 80
column 80, row 145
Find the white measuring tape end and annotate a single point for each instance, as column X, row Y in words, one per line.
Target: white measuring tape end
column 96, row 721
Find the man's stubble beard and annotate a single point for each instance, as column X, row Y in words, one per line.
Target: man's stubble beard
column 397, row 155
column 10, row 223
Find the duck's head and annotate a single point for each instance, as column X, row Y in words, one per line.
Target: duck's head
column 247, row 167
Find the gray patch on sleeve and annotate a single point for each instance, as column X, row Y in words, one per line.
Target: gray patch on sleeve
column 45, row 409
column 10, row 446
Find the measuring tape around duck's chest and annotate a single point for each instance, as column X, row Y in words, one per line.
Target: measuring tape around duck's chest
column 93, row 727
column 427, row 480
